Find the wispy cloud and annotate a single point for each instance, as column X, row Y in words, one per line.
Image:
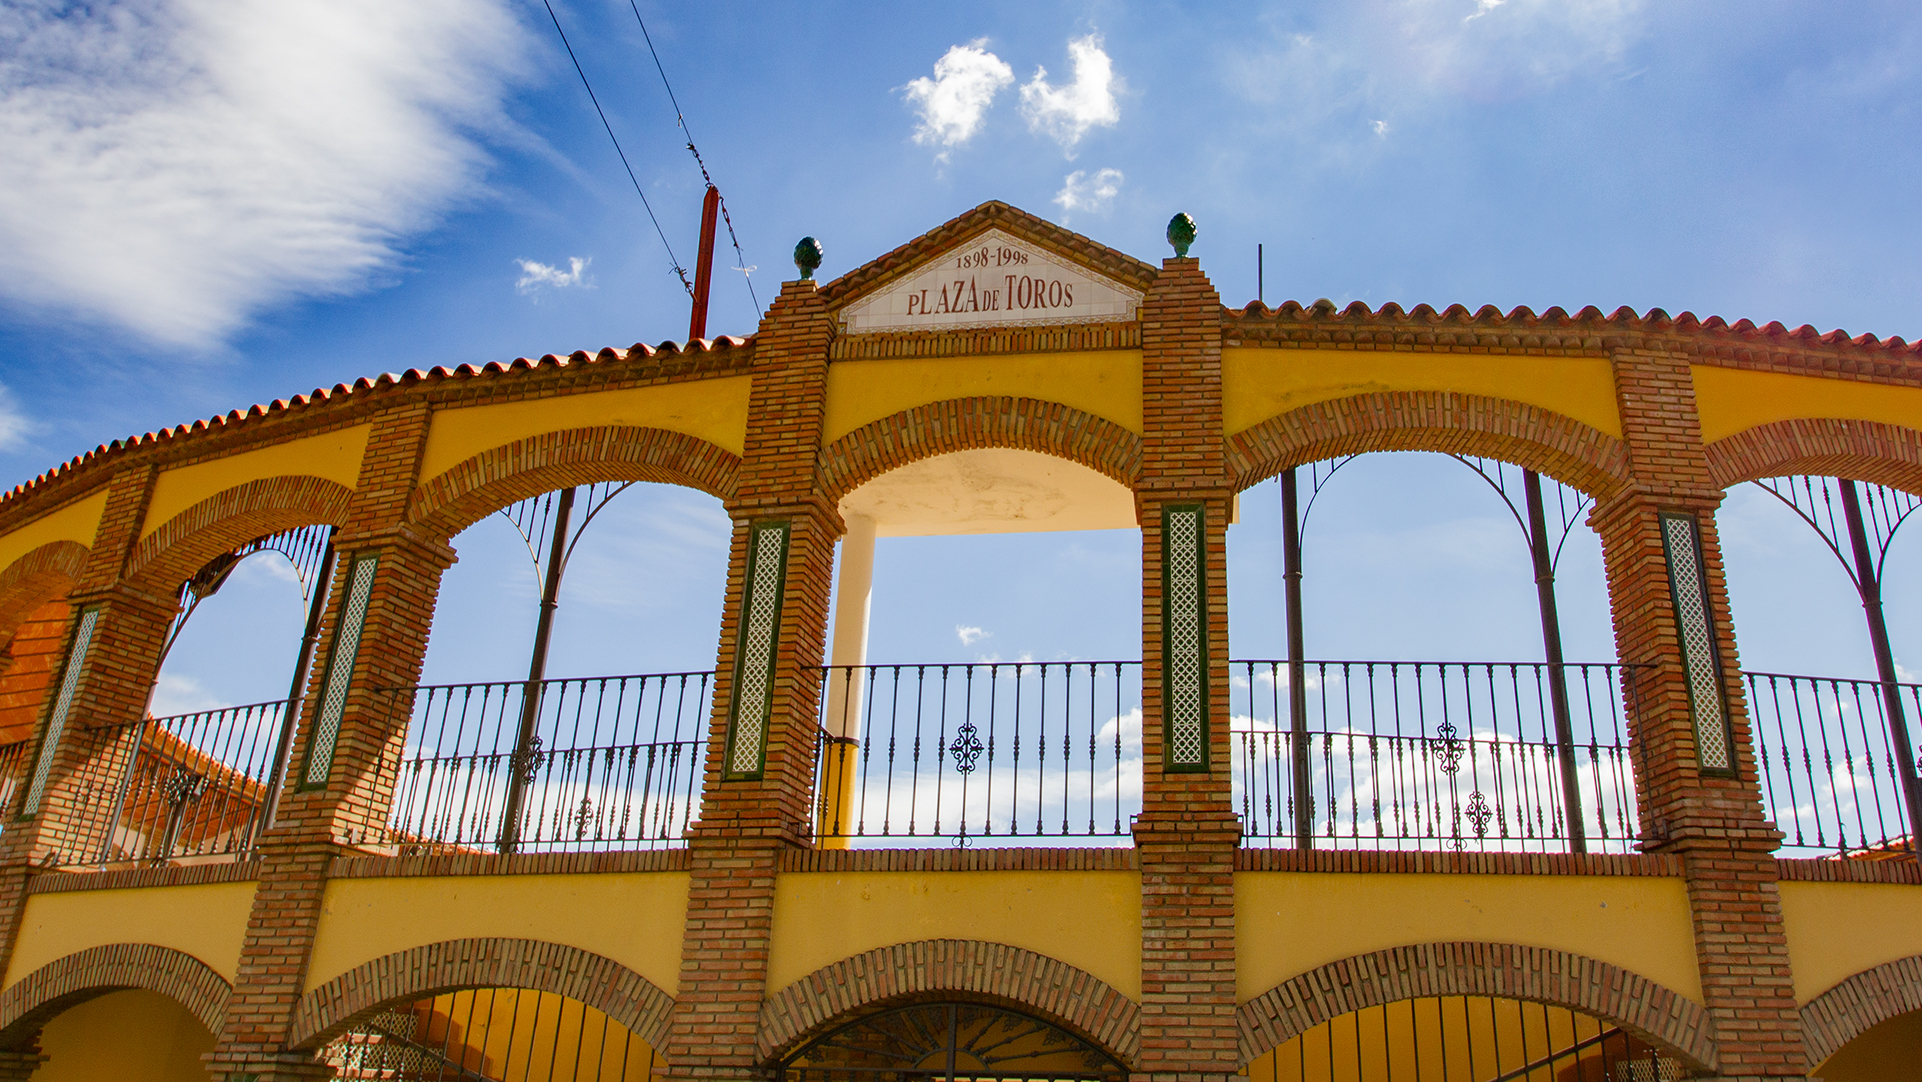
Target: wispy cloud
column 1066, row 113
column 1080, row 191
column 953, row 103
column 15, row 425
column 535, row 275
column 971, row 635
column 173, row 166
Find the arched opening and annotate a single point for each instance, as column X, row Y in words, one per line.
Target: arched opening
column 946, row 1042
column 1890, row 1051
column 982, row 680
column 1425, row 660
column 491, row 1035
column 1465, row 1039
column 564, row 696
column 134, row 1034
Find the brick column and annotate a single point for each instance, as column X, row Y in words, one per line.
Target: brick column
column 1187, row 832
column 340, row 774
column 19, row 1065
column 1694, row 763
column 758, row 791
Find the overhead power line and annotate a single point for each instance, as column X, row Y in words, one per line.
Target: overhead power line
column 681, row 119
column 678, row 269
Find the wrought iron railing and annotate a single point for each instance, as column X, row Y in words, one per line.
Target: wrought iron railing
column 1430, row 756
column 160, row 789
column 1031, row 750
column 611, row 762
column 1829, row 774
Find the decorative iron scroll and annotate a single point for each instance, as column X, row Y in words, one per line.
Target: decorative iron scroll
column 1184, row 639
column 339, row 673
column 950, row 1042
column 753, row 700
column 1701, row 662
column 62, row 706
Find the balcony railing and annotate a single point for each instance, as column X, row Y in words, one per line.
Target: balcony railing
column 181, row 787
column 1829, row 770
column 614, row 762
column 1430, row 756
column 1044, row 751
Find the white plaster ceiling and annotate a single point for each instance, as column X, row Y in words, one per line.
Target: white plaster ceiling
column 992, row 490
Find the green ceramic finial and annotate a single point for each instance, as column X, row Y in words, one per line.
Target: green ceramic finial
column 807, row 256
column 1181, row 233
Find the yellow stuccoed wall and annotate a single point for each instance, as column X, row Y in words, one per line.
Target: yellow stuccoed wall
column 1836, row 930
column 714, row 410
column 207, row 921
column 1287, row 923
column 334, row 456
column 1258, row 383
column 1091, row 920
column 78, row 521
column 634, row 918
column 1106, row 383
column 130, row 1036
column 1733, row 400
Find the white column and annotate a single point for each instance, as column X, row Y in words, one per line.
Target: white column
column 853, row 595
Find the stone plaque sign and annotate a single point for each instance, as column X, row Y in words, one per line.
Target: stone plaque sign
column 992, row 280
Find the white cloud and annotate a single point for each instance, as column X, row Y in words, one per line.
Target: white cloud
column 1066, row 113
column 15, row 425
column 535, row 275
column 1083, row 192
column 1380, row 126
column 971, row 635
column 1483, row 7
column 173, row 166
column 953, row 102
column 174, row 695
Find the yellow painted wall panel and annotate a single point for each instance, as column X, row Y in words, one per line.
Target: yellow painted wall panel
column 130, row 1036
column 1106, row 383
column 714, row 410
column 1261, row 383
column 207, row 921
column 78, row 521
column 1287, row 923
column 1088, row 919
column 334, row 456
column 1836, row 930
column 1733, row 400
column 634, row 918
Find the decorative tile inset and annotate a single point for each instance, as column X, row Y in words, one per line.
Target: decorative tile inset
column 62, row 706
column 1700, row 662
column 1184, row 640
column 340, row 674
column 754, row 661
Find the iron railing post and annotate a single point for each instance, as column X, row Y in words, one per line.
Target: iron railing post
column 1552, row 649
column 1303, row 794
column 1869, row 586
column 296, row 691
column 526, row 742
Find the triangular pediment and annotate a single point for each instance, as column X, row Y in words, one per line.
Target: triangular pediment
column 993, row 266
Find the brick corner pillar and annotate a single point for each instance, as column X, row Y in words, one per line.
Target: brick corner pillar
column 1699, row 794
column 1187, row 833
column 758, row 791
column 341, row 769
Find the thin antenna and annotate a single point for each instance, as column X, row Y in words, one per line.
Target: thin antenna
column 1261, row 293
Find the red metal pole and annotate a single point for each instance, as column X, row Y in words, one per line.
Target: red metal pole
column 704, row 264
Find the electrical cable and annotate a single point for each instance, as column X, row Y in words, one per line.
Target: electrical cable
column 678, row 269
column 681, row 119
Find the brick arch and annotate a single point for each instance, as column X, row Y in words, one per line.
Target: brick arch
column 438, row 968
column 182, row 545
column 448, row 503
column 1871, row 451
column 34, row 1000
column 947, row 968
column 45, row 574
column 1664, row 1018
column 1849, row 1009
column 1539, row 439
column 964, row 424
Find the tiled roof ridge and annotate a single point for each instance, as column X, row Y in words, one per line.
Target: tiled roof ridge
column 709, row 346
column 1656, row 319
column 993, row 212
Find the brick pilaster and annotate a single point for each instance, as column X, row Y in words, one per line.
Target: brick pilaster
column 746, row 822
column 1715, row 821
column 1187, row 833
column 316, row 822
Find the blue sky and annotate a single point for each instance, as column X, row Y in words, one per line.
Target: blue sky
column 206, row 205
